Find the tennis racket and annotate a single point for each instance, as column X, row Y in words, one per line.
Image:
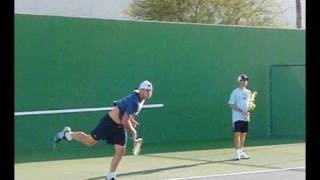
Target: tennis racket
column 252, row 105
column 137, row 144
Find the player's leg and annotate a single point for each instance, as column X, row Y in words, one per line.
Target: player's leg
column 237, row 144
column 243, row 139
column 87, row 139
column 119, row 153
column 237, row 140
column 84, row 138
column 80, row 136
column 115, row 135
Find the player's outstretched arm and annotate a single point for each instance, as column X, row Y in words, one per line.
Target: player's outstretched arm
column 127, row 123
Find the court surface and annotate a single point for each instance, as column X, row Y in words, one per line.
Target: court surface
column 276, row 162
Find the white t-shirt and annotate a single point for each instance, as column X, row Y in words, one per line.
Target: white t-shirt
column 241, row 98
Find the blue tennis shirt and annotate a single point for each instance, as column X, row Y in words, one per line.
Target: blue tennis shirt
column 130, row 104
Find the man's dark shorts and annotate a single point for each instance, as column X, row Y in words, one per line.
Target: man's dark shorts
column 108, row 130
column 241, row 126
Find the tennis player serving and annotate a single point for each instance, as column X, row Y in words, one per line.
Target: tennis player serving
column 113, row 127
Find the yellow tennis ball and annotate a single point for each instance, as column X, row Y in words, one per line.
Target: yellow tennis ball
column 252, row 106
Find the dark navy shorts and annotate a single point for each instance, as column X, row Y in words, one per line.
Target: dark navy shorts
column 241, row 126
column 110, row 131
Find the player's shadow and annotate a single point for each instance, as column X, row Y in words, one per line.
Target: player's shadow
column 203, row 162
column 200, row 162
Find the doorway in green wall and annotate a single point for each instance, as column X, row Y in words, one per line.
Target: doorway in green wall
column 287, row 96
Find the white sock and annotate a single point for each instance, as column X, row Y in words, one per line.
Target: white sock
column 241, row 150
column 111, row 175
column 238, row 151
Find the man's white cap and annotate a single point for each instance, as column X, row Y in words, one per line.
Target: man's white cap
column 242, row 77
column 146, row 85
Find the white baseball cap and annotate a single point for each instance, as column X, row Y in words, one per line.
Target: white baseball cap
column 242, row 77
column 146, row 85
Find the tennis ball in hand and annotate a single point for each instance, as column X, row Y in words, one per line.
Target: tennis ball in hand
column 252, row 106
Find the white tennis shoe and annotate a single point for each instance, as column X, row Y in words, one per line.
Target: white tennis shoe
column 63, row 135
column 244, row 156
column 238, row 156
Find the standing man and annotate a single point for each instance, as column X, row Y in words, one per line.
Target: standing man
column 239, row 103
column 114, row 125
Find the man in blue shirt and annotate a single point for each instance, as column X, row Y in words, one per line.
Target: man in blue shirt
column 114, row 125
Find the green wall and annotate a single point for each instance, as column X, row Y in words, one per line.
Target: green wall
column 64, row 63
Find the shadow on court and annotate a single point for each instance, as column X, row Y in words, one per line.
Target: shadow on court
column 230, row 162
column 202, row 162
column 166, row 168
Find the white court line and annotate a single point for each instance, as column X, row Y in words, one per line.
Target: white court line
column 230, row 174
column 26, row 113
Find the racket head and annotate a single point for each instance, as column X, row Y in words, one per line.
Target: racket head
column 137, row 146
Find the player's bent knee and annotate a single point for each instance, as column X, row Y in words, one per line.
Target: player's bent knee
column 120, row 150
column 91, row 141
